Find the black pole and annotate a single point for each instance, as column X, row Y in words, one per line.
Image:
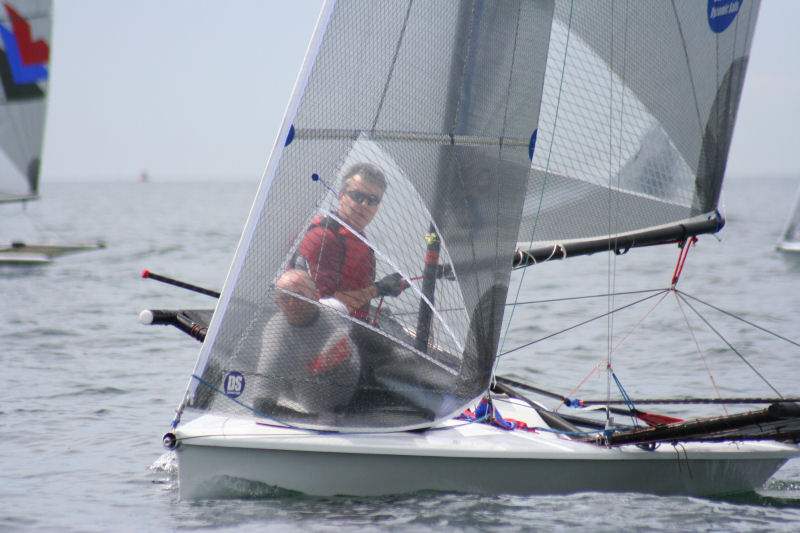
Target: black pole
column 147, row 274
column 619, row 243
column 724, row 427
column 428, row 289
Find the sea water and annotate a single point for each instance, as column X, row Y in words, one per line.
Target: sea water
column 87, row 391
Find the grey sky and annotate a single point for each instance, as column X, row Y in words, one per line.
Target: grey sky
column 197, row 89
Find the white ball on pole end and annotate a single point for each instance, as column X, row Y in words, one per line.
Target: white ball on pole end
column 146, row 317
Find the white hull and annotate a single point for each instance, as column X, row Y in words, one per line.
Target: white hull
column 789, row 246
column 460, row 457
column 38, row 254
column 24, row 259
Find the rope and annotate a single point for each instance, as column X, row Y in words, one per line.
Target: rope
column 628, row 400
column 572, row 401
column 733, row 349
column 692, row 401
column 715, row 308
column 570, row 298
column 682, row 255
column 544, row 184
column 700, row 351
column 575, row 402
column 639, row 323
column 577, row 325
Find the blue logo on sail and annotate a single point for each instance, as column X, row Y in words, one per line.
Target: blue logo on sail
column 234, row 384
column 721, row 13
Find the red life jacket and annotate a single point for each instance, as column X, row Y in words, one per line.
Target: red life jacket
column 338, row 260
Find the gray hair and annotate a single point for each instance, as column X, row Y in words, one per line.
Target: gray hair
column 367, row 171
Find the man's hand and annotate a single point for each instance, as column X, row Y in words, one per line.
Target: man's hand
column 391, row 285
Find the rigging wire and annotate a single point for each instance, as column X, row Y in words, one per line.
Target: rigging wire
column 569, row 298
column 613, row 199
column 732, row 347
column 608, row 366
column 700, row 352
column 544, row 180
column 732, row 315
column 537, row 302
column 579, row 324
column 639, row 323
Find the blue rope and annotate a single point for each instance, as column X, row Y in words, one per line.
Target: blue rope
column 628, row 400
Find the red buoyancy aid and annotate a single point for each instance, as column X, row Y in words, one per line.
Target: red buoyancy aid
column 338, row 260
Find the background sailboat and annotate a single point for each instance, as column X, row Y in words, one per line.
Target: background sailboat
column 635, row 106
column 790, row 236
column 25, row 29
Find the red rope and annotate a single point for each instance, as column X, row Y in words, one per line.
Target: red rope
column 684, row 253
column 377, row 311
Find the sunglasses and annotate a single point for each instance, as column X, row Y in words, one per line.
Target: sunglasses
column 359, row 197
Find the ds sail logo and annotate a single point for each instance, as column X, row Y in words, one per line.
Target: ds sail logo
column 234, row 384
column 23, row 60
column 721, row 13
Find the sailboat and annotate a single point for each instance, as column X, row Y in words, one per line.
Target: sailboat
column 790, row 236
column 25, row 29
column 510, row 134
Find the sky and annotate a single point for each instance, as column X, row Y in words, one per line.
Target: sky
column 197, row 89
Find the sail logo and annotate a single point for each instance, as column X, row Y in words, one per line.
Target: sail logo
column 721, row 13
column 234, row 384
column 23, row 60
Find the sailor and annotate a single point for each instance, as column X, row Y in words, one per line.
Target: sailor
column 308, row 361
column 340, row 262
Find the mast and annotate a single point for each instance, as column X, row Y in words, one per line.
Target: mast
column 458, row 68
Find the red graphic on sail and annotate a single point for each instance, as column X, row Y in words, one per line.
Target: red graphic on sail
column 23, row 60
column 32, row 52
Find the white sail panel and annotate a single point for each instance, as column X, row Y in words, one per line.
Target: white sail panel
column 637, row 115
column 442, row 97
column 25, row 28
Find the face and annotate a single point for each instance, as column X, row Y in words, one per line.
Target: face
column 359, row 214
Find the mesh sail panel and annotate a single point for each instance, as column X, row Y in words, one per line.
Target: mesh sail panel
column 24, row 57
column 637, row 115
column 442, row 97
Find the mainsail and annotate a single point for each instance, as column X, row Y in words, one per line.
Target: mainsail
column 634, row 104
column 24, row 36
column 636, row 122
column 443, row 97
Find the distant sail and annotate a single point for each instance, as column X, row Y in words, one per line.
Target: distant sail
column 790, row 237
column 25, row 30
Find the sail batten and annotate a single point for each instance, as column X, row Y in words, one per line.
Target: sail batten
column 434, row 138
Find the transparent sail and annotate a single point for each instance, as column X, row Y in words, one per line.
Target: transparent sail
column 443, row 98
column 637, row 116
column 25, row 28
column 790, row 237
